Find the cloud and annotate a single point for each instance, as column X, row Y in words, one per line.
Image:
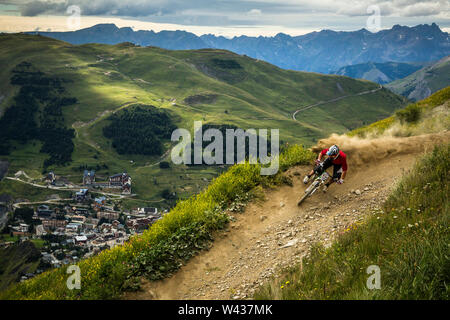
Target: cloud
column 399, row 8
column 422, row 9
column 99, row 7
column 254, row 12
column 35, row 8
column 245, row 12
column 14, row 2
column 140, row 8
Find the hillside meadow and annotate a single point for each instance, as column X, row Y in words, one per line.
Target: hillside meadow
column 208, row 85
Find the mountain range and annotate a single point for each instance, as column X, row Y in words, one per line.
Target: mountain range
column 381, row 73
column 423, row 82
column 324, row 51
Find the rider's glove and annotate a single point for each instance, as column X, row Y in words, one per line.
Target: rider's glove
column 317, row 161
column 340, row 181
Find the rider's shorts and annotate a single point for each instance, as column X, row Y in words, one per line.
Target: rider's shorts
column 337, row 172
column 337, row 169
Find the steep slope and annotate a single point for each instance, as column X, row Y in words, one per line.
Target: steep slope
column 430, row 115
column 16, row 261
column 309, row 52
column 246, row 93
column 406, row 243
column 274, row 234
column 379, row 72
column 424, row 82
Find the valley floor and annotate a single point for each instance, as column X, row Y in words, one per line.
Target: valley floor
column 276, row 233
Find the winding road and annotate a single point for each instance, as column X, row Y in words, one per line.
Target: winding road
column 74, row 188
column 51, row 201
column 335, row 99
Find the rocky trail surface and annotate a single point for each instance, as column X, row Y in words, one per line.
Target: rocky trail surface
column 275, row 233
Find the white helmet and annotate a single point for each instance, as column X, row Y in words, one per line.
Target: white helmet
column 333, row 151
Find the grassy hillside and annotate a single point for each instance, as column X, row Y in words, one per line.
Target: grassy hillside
column 214, row 86
column 425, row 116
column 17, row 260
column 423, row 82
column 20, row 191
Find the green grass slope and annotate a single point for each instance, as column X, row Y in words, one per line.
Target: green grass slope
column 423, row 82
column 426, row 116
column 17, row 260
column 245, row 92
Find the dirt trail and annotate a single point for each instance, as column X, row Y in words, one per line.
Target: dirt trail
column 275, row 233
column 335, row 99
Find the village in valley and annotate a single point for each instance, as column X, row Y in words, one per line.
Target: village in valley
column 81, row 226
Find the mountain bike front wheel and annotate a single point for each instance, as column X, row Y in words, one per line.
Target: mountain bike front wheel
column 306, row 195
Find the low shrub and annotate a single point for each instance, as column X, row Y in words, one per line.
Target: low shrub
column 410, row 114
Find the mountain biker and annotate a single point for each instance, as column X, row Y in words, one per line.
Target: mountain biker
column 335, row 158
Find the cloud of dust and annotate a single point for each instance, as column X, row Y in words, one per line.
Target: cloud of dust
column 365, row 150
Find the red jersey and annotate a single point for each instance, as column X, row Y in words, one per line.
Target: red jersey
column 341, row 160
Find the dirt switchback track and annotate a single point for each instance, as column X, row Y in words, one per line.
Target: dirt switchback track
column 334, row 100
column 276, row 232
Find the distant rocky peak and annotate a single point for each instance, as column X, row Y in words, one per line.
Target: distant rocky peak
column 104, row 27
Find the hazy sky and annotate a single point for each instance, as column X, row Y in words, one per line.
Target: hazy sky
column 222, row 17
